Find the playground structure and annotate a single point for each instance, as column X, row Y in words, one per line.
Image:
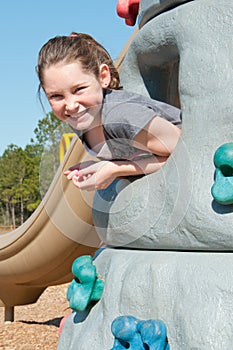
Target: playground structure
column 180, row 267
column 169, row 242
column 65, row 144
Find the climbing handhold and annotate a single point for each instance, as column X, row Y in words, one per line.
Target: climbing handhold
column 86, row 286
column 124, row 328
column 134, row 334
column 222, row 189
column 154, row 334
column 128, row 9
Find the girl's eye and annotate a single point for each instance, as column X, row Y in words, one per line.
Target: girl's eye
column 55, row 97
column 80, row 88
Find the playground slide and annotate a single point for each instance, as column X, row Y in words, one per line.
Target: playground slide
column 40, row 253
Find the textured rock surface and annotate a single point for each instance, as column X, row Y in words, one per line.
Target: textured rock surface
column 173, row 208
column 189, row 292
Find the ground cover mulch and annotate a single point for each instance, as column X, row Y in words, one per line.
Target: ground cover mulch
column 36, row 325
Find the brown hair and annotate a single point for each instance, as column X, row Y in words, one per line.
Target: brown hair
column 76, row 46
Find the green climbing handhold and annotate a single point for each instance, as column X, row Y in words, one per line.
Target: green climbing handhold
column 86, row 285
column 222, row 189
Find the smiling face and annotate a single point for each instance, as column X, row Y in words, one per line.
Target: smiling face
column 75, row 95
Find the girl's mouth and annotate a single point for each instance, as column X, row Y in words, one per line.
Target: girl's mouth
column 77, row 116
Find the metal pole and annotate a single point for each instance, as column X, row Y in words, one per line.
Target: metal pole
column 9, row 314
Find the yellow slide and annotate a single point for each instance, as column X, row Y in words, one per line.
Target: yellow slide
column 41, row 251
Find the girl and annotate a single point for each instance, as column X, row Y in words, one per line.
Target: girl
column 130, row 134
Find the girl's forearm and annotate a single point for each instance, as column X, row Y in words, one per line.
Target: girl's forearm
column 100, row 175
column 142, row 166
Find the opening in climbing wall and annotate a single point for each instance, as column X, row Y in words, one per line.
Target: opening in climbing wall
column 160, row 74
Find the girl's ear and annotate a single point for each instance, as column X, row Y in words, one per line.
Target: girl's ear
column 105, row 75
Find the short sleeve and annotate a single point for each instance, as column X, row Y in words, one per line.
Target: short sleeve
column 126, row 120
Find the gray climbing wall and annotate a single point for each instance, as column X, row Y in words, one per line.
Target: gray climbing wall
column 180, row 268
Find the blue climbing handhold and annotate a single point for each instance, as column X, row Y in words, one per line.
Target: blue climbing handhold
column 154, row 334
column 124, row 328
column 131, row 333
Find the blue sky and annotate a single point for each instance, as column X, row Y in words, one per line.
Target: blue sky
column 25, row 26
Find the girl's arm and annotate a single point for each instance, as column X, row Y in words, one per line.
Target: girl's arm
column 159, row 137
column 99, row 175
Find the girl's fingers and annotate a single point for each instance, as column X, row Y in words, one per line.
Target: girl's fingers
column 71, row 175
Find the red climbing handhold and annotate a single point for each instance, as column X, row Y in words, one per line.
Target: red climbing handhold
column 128, row 9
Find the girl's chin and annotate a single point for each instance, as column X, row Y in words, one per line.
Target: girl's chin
column 80, row 125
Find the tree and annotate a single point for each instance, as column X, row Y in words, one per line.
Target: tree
column 25, row 175
column 48, row 134
column 19, row 183
column 12, row 175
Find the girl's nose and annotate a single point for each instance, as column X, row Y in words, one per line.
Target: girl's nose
column 72, row 105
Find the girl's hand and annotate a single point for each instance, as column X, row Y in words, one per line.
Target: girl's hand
column 74, row 170
column 92, row 175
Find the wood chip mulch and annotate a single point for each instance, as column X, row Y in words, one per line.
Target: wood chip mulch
column 36, row 325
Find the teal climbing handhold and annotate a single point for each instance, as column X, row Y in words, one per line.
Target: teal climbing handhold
column 223, row 158
column 86, row 285
column 134, row 334
column 222, row 189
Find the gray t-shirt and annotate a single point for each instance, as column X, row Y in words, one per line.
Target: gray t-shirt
column 124, row 115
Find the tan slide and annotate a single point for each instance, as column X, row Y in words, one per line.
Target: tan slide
column 41, row 251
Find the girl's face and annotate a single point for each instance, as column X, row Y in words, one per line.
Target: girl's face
column 75, row 96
